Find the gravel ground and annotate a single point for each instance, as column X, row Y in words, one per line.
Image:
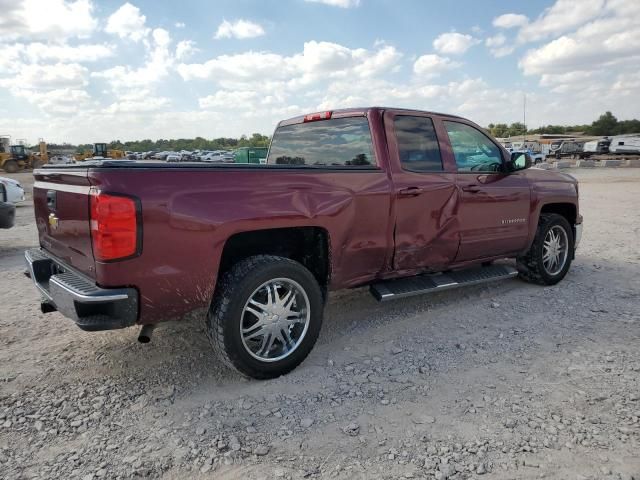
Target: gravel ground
column 502, row 381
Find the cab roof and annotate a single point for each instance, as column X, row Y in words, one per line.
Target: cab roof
column 357, row 112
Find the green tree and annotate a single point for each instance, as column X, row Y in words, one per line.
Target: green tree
column 605, row 125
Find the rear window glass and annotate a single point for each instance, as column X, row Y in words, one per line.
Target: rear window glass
column 340, row 142
column 418, row 147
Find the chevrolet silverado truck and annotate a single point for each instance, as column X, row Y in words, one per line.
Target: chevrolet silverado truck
column 406, row 202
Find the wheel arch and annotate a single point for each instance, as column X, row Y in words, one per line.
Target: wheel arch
column 566, row 209
column 308, row 245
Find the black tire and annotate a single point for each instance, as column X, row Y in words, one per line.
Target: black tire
column 11, row 166
column 232, row 293
column 7, row 215
column 530, row 266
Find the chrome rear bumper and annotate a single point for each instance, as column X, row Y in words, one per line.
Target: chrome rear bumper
column 78, row 297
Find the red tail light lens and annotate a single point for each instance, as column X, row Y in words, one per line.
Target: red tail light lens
column 314, row 117
column 114, row 226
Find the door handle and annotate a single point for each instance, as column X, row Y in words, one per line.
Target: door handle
column 471, row 189
column 410, row 191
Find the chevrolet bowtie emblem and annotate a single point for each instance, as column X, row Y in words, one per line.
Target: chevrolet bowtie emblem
column 53, row 221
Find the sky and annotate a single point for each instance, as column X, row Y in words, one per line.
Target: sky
column 84, row 71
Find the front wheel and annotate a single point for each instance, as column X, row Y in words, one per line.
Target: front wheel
column 549, row 258
column 266, row 316
column 11, row 166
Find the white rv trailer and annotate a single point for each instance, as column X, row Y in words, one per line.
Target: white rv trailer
column 597, row 146
column 625, row 144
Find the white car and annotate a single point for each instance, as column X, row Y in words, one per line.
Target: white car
column 13, row 190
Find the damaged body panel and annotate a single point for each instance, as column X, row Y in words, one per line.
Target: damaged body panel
column 355, row 196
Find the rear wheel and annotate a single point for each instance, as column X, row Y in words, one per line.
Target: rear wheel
column 266, row 316
column 11, row 166
column 549, row 258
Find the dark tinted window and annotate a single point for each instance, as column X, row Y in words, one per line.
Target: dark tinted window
column 338, row 142
column 474, row 152
column 418, row 147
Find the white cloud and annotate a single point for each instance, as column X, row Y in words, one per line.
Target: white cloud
column 184, row 49
column 510, row 20
column 561, row 17
column 138, row 101
column 61, row 101
column 127, row 22
column 317, row 61
column 498, row 46
column 594, row 46
column 56, row 76
column 432, row 65
column 180, row 25
column 240, row 29
column 56, row 89
column 495, row 41
column 453, row 43
column 53, row 19
column 337, row 3
column 158, row 63
column 36, row 52
column 382, row 61
column 226, row 99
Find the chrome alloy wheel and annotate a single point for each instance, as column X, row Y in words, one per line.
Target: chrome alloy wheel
column 275, row 320
column 555, row 250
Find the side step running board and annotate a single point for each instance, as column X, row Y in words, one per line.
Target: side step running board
column 409, row 286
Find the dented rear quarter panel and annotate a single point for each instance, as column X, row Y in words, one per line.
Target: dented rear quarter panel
column 189, row 214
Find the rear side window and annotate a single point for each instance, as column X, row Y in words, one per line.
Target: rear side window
column 418, row 147
column 340, row 142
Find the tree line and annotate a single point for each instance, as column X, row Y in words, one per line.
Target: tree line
column 606, row 125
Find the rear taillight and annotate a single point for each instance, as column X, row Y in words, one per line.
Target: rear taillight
column 114, row 226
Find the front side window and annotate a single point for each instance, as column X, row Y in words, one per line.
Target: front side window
column 473, row 151
column 418, row 147
column 340, row 142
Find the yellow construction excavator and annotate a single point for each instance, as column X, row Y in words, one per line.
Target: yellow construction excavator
column 100, row 150
column 16, row 157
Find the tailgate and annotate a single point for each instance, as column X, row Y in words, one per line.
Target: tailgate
column 61, row 203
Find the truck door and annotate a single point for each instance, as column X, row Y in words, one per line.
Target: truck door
column 494, row 206
column 426, row 230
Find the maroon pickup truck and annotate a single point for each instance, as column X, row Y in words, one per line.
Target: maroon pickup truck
column 404, row 201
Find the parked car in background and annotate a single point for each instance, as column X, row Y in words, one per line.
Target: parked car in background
column 404, row 201
column 536, row 158
column 61, row 160
column 13, row 191
column 214, row 156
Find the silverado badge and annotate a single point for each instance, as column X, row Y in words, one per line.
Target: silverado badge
column 53, row 221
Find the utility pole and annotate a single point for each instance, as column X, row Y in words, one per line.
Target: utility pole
column 524, row 119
